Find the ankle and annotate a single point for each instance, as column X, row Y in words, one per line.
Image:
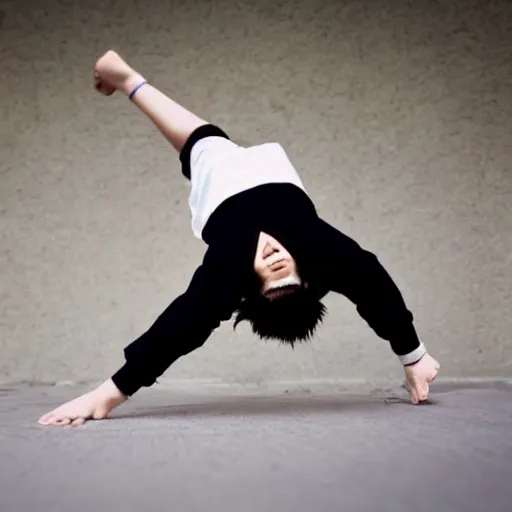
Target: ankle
column 108, row 391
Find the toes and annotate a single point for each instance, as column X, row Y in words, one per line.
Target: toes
column 78, row 421
column 414, row 395
column 60, row 422
column 45, row 420
column 423, row 395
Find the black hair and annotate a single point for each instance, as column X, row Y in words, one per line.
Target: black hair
column 290, row 314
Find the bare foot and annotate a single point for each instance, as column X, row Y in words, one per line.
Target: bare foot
column 96, row 404
column 419, row 376
column 112, row 73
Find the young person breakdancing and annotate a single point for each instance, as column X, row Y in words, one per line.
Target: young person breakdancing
column 270, row 257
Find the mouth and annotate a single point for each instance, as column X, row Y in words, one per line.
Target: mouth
column 277, row 265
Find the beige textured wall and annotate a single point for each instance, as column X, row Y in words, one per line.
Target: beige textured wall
column 398, row 115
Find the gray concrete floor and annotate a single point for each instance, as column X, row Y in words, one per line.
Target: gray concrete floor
column 173, row 450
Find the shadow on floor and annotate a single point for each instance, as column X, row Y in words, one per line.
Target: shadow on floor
column 264, row 406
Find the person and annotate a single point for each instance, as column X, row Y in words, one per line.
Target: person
column 270, row 257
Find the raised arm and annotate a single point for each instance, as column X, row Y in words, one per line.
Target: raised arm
column 173, row 120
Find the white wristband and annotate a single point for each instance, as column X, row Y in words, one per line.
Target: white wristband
column 414, row 356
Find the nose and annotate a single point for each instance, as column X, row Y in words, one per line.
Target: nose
column 268, row 250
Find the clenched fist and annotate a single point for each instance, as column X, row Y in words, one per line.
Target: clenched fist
column 112, row 73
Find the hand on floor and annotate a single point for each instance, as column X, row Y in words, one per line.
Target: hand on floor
column 96, row 404
column 419, row 376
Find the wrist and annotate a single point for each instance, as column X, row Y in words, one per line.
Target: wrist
column 131, row 82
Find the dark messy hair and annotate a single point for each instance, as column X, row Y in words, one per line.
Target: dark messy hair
column 289, row 314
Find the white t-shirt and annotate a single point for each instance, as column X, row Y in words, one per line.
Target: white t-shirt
column 220, row 169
